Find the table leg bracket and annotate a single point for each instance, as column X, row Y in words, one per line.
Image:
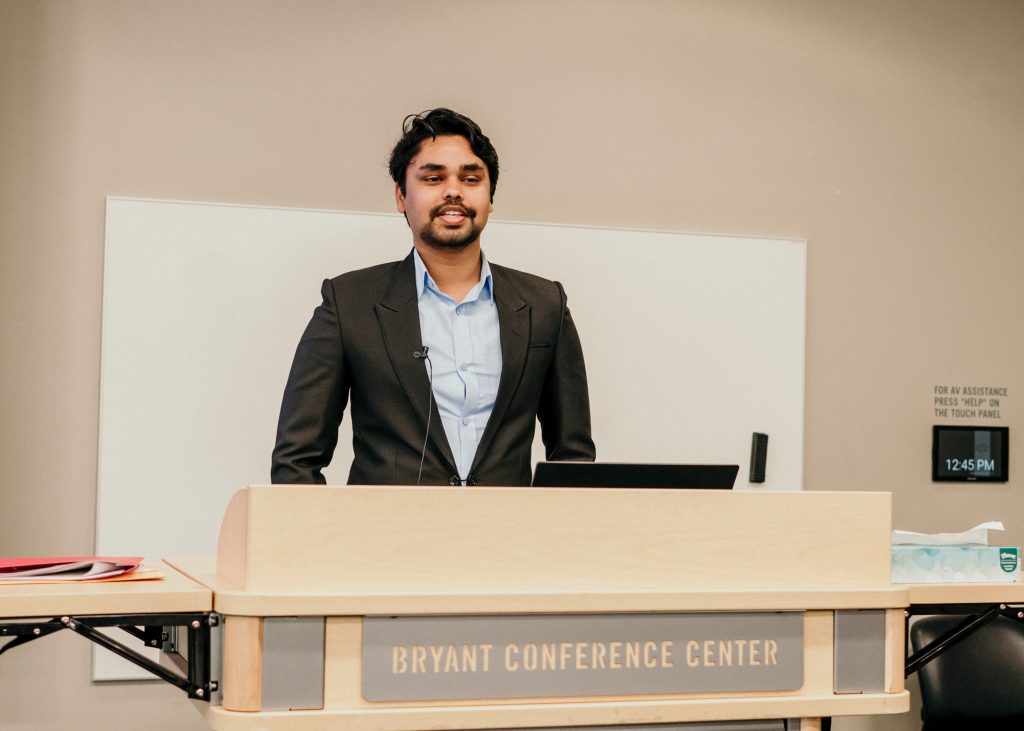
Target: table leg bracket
column 152, row 629
column 977, row 618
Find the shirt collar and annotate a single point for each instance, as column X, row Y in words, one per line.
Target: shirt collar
column 484, row 289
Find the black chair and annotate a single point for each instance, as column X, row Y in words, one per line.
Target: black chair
column 976, row 685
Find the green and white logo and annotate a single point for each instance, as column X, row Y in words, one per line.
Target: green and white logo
column 1008, row 559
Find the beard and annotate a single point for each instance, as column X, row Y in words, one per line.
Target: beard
column 436, row 235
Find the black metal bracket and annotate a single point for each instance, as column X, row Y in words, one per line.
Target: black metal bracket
column 977, row 617
column 151, row 629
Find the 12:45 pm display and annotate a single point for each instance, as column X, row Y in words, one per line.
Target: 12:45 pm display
column 963, row 453
column 971, row 465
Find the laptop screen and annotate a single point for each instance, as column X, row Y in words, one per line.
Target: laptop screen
column 623, row 474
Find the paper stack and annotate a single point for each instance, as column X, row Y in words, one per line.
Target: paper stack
column 69, row 568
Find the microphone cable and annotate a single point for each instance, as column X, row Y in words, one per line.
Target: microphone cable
column 424, row 354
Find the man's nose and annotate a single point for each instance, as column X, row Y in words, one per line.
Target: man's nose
column 453, row 190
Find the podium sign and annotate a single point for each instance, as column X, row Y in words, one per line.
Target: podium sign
column 536, row 656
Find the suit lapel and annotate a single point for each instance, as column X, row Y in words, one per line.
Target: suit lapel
column 399, row 319
column 514, row 328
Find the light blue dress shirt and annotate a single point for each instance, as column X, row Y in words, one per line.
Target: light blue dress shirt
column 465, row 357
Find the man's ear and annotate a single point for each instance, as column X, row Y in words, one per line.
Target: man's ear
column 399, row 198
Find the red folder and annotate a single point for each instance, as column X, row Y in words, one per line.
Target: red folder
column 66, row 568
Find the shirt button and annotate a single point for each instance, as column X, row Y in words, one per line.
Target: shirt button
column 464, row 366
column 465, row 422
column 459, row 311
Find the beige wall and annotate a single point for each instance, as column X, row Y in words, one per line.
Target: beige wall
column 890, row 135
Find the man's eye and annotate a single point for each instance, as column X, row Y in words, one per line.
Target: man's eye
column 471, row 179
column 432, row 179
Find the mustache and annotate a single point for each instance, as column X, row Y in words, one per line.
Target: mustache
column 467, row 211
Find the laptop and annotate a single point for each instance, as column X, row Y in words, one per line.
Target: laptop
column 623, row 474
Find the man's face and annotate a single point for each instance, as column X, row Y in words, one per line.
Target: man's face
column 447, row 194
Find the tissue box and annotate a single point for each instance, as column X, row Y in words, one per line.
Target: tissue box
column 955, row 565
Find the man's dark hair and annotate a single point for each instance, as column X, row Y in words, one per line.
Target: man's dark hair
column 435, row 122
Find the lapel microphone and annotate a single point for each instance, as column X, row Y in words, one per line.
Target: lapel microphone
column 424, row 354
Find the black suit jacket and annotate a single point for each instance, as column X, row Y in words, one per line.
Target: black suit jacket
column 359, row 346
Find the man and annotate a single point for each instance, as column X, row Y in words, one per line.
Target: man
column 448, row 360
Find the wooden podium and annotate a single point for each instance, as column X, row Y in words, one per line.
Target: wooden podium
column 320, row 567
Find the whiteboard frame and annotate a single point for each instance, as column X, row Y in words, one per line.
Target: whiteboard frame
column 692, row 341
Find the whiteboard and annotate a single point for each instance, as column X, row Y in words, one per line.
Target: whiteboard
column 692, row 342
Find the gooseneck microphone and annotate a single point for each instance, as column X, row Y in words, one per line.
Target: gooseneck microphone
column 424, row 354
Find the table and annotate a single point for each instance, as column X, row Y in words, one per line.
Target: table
column 981, row 603
column 155, row 611
column 407, row 552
